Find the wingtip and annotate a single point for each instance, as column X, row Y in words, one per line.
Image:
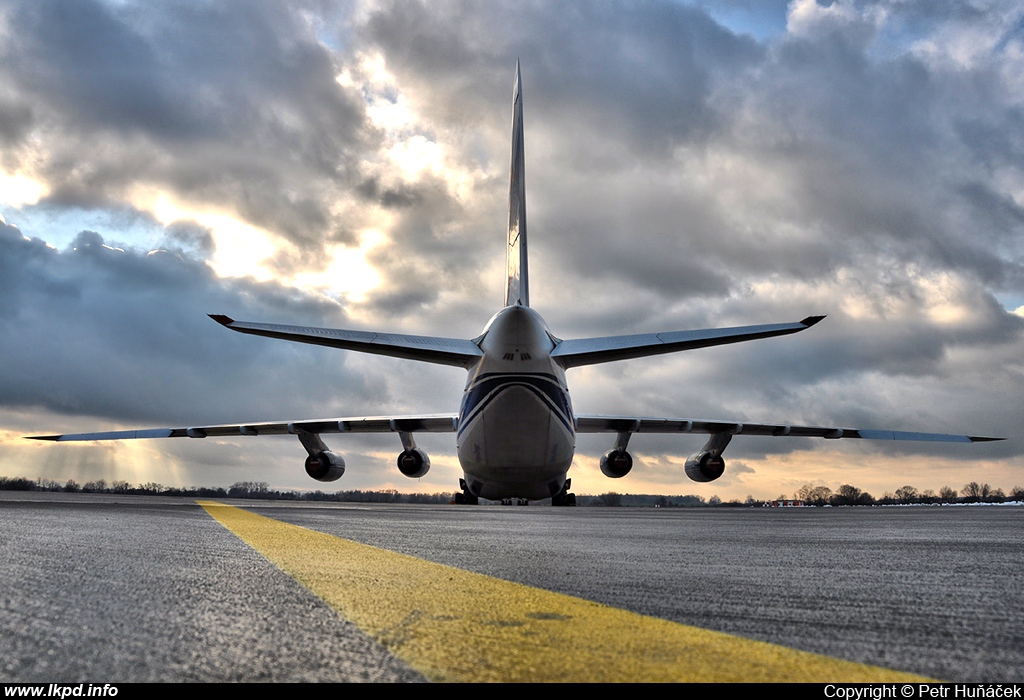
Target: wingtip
column 222, row 319
column 976, row 438
column 52, row 438
column 811, row 320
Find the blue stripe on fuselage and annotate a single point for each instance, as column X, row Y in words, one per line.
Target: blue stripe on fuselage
column 487, row 387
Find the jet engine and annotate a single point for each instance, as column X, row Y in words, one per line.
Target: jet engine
column 704, row 466
column 325, row 466
column 413, row 463
column 615, row 464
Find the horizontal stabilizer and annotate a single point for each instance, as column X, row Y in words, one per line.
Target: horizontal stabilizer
column 590, row 351
column 443, row 351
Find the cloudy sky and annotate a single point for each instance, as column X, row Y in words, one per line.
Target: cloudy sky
column 345, row 164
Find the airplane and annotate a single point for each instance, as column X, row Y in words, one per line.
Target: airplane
column 516, row 429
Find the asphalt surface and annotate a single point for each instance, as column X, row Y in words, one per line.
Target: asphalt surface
column 145, row 589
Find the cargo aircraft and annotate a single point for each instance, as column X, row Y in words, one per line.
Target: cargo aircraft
column 516, row 429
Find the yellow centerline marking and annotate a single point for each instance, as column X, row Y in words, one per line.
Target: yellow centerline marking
column 455, row 625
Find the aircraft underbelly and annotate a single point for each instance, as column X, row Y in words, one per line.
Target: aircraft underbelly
column 516, row 447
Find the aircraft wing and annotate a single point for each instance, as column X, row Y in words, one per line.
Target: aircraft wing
column 438, row 423
column 633, row 424
column 590, row 351
column 445, row 351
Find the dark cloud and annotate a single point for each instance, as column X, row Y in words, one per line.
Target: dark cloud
column 123, row 335
column 641, row 72
column 191, row 236
column 396, row 197
column 15, row 124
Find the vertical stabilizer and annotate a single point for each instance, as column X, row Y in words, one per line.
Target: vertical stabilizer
column 517, row 289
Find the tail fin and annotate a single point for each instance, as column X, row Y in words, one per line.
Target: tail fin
column 517, row 289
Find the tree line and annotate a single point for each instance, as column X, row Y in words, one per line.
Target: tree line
column 810, row 494
column 241, row 489
column 848, row 495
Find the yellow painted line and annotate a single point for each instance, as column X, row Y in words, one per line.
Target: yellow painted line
column 455, row 625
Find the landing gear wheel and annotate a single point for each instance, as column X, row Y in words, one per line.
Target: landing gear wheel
column 465, row 498
column 563, row 497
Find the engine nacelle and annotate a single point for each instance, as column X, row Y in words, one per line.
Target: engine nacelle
column 615, row 464
column 703, row 466
column 325, row 466
column 413, row 463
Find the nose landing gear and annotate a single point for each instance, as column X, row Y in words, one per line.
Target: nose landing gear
column 466, row 498
column 563, row 497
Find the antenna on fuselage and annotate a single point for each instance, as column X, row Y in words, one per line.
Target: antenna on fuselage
column 517, row 288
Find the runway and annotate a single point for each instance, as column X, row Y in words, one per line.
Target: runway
column 146, row 589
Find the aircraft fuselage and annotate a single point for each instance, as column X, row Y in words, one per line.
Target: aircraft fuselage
column 516, row 435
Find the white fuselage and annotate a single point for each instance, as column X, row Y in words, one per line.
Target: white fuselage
column 516, row 433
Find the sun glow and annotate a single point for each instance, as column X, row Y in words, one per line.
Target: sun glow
column 349, row 273
column 240, row 249
column 411, row 148
column 20, row 190
column 416, row 155
column 244, row 250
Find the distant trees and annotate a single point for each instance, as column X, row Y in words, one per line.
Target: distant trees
column 98, row 486
column 16, row 484
column 847, row 495
column 248, row 489
column 814, row 495
column 906, row 494
column 975, row 492
column 634, row 500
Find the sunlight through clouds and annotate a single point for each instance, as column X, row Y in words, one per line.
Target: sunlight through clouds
column 408, row 148
column 19, row 190
column 240, row 248
column 349, row 274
